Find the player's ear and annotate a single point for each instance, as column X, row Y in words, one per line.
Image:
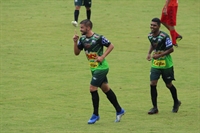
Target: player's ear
column 88, row 28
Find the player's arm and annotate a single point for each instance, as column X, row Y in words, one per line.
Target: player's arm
column 76, row 49
column 169, row 49
column 108, row 50
column 149, row 53
column 105, row 42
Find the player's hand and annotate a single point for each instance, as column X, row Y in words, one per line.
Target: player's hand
column 75, row 37
column 148, row 57
column 156, row 56
column 99, row 59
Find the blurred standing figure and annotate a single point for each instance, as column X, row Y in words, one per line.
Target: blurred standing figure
column 78, row 4
column 168, row 19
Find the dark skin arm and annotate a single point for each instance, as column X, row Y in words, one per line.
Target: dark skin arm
column 149, row 53
column 156, row 56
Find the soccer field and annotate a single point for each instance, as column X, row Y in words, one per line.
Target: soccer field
column 44, row 88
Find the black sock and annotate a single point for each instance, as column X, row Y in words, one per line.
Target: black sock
column 88, row 12
column 174, row 93
column 76, row 14
column 113, row 99
column 154, row 95
column 95, row 102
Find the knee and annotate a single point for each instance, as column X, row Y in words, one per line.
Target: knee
column 153, row 83
column 93, row 88
column 105, row 89
column 87, row 8
column 169, row 85
column 77, row 7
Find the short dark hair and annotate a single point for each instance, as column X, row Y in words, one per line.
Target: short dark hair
column 157, row 20
column 87, row 23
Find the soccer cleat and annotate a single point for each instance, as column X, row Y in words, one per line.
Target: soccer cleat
column 178, row 38
column 176, row 45
column 176, row 107
column 93, row 119
column 74, row 23
column 153, row 110
column 119, row 115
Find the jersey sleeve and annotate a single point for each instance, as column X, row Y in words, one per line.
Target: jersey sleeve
column 104, row 41
column 80, row 45
column 168, row 43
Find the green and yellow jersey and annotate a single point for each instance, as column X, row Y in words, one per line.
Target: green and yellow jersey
column 160, row 44
column 93, row 47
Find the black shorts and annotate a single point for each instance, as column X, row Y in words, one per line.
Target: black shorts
column 86, row 3
column 99, row 77
column 167, row 74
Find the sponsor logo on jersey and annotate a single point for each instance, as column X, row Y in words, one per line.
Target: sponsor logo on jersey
column 159, row 63
column 91, row 56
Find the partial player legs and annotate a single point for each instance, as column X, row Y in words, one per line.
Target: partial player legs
column 88, row 12
column 173, row 92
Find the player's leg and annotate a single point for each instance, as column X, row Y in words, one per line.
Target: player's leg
column 95, row 103
column 78, row 4
column 113, row 99
column 172, row 13
column 88, row 4
column 96, row 81
column 111, row 96
column 154, row 76
column 168, row 76
column 164, row 20
column 76, row 12
column 169, row 21
column 98, row 77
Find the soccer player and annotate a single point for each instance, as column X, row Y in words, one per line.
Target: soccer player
column 78, row 4
column 93, row 45
column 168, row 19
column 161, row 64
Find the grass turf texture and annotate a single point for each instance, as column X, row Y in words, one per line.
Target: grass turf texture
column 45, row 88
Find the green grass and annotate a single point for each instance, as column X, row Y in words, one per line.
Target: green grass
column 44, row 88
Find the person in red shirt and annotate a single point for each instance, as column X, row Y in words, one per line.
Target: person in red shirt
column 168, row 19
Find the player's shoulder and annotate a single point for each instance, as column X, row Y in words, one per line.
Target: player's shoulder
column 163, row 34
column 150, row 35
column 97, row 36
